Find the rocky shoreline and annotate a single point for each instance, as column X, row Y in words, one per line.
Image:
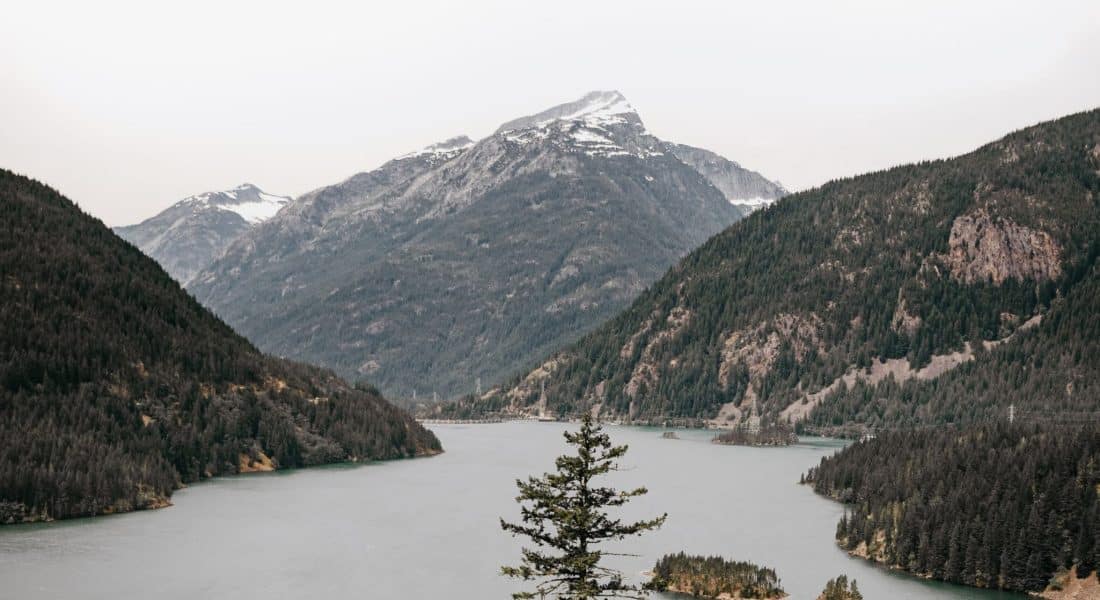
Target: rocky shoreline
column 1066, row 585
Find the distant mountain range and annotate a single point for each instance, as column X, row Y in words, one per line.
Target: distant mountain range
column 466, row 261
column 191, row 233
column 117, row 387
column 929, row 293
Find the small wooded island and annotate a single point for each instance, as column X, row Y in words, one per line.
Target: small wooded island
column 714, row 577
column 771, row 434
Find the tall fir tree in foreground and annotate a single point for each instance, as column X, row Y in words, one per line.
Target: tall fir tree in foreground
column 565, row 515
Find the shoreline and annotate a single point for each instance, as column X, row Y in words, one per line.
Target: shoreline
column 159, row 501
column 838, row 433
column 723, row 596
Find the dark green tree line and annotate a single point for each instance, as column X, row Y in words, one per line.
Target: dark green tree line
column 995, row 506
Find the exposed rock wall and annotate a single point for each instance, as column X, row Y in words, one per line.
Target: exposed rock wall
column 982, row 248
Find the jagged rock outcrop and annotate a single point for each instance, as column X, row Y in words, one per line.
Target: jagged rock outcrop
column 984, row 248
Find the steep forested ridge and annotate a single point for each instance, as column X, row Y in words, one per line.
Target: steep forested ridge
column 1000, row 505
column 850, row 301
column 116, row 386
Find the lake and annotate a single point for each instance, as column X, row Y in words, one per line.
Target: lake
column 428, row 528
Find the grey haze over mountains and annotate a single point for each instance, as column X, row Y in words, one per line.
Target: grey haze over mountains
column 468, row 261
column 191, row 233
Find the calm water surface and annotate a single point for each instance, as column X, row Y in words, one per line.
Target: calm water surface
column 429, row 528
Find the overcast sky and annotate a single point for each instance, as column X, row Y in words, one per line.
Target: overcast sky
column 129, row 107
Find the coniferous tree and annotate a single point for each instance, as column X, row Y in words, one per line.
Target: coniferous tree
column 565, row 515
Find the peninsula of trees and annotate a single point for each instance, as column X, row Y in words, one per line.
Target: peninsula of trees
column 1008, row 506
column 771, row 434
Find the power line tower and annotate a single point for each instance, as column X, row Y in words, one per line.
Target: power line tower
column 478, row 386
column 1011, row 413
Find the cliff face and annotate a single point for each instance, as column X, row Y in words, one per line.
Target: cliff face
column 982, row 248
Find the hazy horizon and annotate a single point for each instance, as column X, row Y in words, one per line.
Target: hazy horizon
column 128, row 108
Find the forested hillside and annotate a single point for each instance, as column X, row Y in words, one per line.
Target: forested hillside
column 116, row 386
column 849, row 302
column 1000, row 506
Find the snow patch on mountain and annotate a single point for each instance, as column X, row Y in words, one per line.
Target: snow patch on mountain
column 250, row 202
column 586, row 136
column 599, row 109
column 526, row 136
column 256, row 211
column 601, row 124
column 753, row 203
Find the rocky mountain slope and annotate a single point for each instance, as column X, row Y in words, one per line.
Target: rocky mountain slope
column 941, row 291
column 191, row 233
column 116, row 387
column 745, row 189
column 467, row 261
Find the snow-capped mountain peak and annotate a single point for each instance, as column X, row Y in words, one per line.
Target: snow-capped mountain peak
column 595, row 109
column 599, row 124
column 193, row 232
column 250, row 202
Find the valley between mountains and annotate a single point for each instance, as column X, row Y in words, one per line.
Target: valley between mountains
column 470, row 260
column 945, row 314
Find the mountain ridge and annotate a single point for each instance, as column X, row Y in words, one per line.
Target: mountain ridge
column 533, row 234
column 191, row 233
